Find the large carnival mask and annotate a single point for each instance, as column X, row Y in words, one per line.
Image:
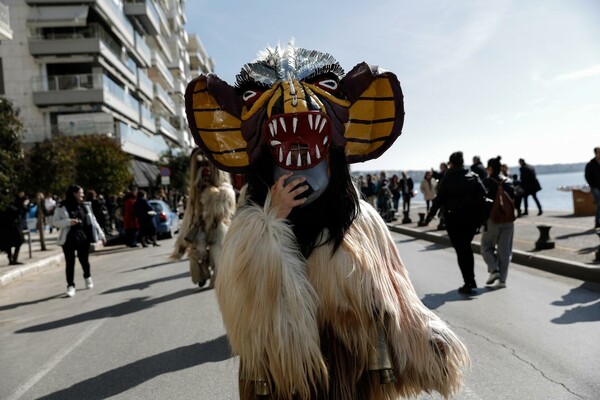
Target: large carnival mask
column 295, row 103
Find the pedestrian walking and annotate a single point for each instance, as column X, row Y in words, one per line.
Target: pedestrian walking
column 592, row 176
column 428, row 188
column 130, row 222
column 78, row 229
column 497, row 237
column 11, row 231
column 530, row 185
column 461, row 194
column 40, row 215
column 478, row 168
column 145, row 215
column 407, row 187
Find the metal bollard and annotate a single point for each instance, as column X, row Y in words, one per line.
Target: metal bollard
column 544, row 242
column 406, row 219
column 421, row 220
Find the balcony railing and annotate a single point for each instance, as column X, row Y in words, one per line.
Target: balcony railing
column 67, row 82
column 119, row 20
column 5, row 31
column 164, row 97
column 143, row 49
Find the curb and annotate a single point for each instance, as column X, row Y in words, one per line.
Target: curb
column 553, row 265
column 36, row 266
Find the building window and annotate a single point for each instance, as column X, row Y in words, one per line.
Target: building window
column 1, row 78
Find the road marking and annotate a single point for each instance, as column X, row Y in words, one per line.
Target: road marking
column 55, row 360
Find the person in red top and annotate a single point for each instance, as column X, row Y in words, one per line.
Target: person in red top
column 130, row 223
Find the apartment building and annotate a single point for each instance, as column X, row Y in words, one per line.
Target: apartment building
column 117, row 67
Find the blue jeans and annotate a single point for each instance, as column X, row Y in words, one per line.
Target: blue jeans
column 596, row 194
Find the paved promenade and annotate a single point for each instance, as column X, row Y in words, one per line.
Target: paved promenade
column 574, row 254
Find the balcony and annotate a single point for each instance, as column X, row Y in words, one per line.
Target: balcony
column 136, row 142
column 145, row 12
column 58, row 16
column 164, row 98
column 5, row 32
column 148, row 120
column 116, row 19
column 165, row 127
column 145, row 84
column 142, row 51
column 66, row 90
column 91, row 40
column 159, row 65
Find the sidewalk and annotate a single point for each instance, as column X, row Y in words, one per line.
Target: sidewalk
column 35, row 260
column 574, row 254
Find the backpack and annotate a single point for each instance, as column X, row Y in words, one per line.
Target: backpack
column 503, row 208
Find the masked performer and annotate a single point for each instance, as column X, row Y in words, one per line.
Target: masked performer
column 210, row 206
column 313, row 293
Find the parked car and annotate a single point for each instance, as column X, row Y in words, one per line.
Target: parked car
column 167, row 221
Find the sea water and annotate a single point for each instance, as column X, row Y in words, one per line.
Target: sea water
column 550, row 197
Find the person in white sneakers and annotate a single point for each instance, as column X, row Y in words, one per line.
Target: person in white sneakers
column 78, row 229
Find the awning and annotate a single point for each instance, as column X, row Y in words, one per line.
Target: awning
column 43, row 17
column 144, row 173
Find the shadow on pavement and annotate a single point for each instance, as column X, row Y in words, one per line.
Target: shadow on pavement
column 147, row 284
column 152, row 266
column 121, row 379
column 434, row 246
column 129, row 307
column 587, row 292
column 589, row 313
column 436, row 300
column 583, row 233
column 27, row 303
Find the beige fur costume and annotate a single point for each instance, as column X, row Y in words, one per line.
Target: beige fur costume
column 308, row 322
column 284, row 303
column 206, row 219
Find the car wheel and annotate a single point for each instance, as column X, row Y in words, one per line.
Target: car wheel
column 169, row 233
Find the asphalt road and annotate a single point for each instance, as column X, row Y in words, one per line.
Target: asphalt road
column 145, row 332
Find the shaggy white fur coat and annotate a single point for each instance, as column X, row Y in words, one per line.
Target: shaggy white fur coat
column 307, row 325
column 206, row 220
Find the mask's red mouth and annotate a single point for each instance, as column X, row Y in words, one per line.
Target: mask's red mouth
column 299, row 140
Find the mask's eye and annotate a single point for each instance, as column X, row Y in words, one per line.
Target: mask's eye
column 327, row 82
column 250, row 96
column 330, row 85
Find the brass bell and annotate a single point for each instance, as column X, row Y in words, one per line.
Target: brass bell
column 261, row 388
column 379, row 358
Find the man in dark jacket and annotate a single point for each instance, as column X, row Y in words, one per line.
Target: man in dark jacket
column 530, row 185
column 461, row 193
column 592, row 176
column 478, row 168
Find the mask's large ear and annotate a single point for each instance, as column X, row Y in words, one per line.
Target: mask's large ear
column 376, row 114
column 213, row 112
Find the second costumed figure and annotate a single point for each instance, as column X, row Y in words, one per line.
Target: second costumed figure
column 208, row 212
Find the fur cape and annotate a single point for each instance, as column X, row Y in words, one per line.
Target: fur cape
column 307, row 325
column 206, row 219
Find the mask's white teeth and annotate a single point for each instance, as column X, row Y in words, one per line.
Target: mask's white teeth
column 325, row 140
column 274, row 126
column 294, row 123
column 317, row 151
column 317, row 120
column 310, row 121
column 288, row 161
column 308, row 160
column 322, row 125
column 283, row 124
column 299, row 163
column 280, row 154
column 271, row 129
column 275, row 143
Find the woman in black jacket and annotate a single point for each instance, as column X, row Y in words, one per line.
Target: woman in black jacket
column 145, row 215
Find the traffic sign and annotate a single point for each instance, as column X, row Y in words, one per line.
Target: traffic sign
column 165, row 171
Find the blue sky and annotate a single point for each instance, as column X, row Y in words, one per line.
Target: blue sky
column 520, row 79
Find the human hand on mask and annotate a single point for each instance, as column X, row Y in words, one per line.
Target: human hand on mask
column 283, row 197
